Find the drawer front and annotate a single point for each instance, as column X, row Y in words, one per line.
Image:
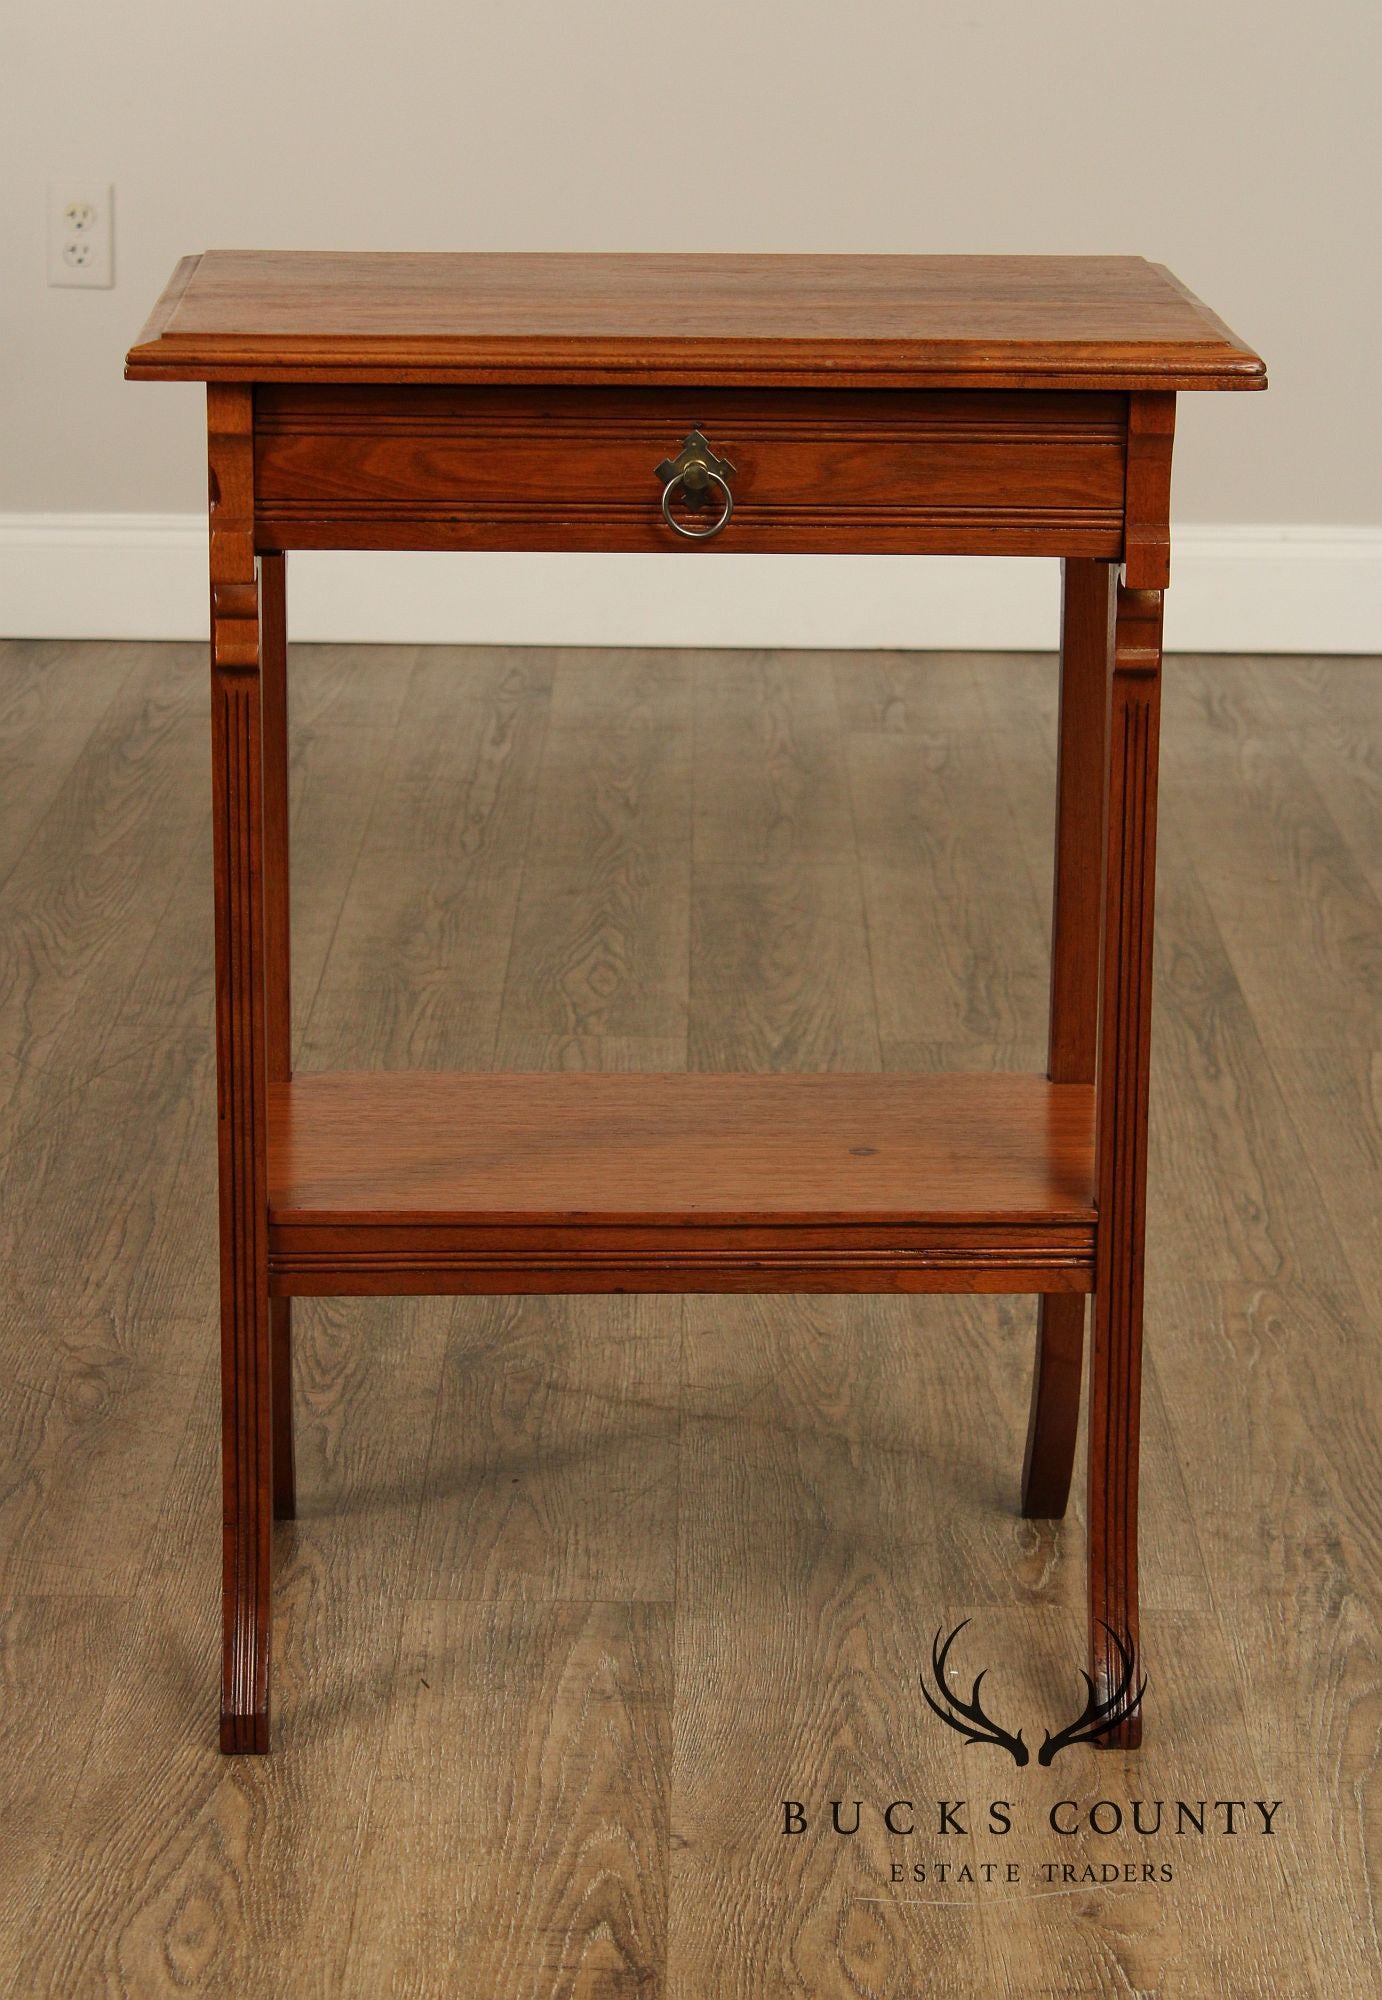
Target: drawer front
column 869, row 471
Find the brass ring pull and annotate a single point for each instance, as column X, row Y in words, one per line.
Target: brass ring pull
column 707, row 478
column 695, row 469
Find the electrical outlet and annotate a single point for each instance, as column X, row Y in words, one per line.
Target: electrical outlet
column 80, row 234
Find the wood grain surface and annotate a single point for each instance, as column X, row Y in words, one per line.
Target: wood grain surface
column 904, row 321
column 665, row 1149
column 580, row 1589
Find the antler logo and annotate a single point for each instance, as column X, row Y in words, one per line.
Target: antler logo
column 1095, row 1719
column 967, row 1716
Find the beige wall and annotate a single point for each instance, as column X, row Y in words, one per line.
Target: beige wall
column 1236, row 140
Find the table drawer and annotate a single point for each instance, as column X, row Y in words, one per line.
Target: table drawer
column 870, row 471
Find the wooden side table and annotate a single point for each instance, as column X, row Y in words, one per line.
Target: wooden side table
column 957, row 405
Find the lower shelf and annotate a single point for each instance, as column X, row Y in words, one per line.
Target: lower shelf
column 388, row 1183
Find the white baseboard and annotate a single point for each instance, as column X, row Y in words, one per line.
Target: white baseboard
column 143, row 576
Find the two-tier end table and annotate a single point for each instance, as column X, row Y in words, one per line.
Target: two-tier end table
column 900, row 405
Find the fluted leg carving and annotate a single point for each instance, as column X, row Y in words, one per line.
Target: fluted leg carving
column 1124, row 1051
column 238, row 826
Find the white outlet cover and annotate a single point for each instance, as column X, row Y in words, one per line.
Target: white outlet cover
column 81, row 234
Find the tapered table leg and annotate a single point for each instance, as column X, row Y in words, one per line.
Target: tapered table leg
column 238, row 848
column 278, row 981
column 1124, row 1050
column 1087, row 606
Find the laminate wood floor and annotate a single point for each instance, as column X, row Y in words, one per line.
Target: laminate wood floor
column 583, row 1589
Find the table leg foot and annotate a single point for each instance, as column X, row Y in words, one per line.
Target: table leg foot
column 245, row 1734
column 248, row 1504
column 248, row 1525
